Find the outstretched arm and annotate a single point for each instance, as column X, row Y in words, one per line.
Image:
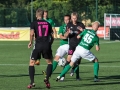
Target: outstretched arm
column 97, row 48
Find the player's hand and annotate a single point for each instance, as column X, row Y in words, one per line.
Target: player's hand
column 78, row 36
column 30, row 45
column 79, row 28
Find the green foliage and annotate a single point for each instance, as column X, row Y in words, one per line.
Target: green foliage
column 21, row 9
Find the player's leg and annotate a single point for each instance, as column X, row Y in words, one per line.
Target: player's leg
column 32, row 68
column 60, row 53
column 75, row 57
column 96, row 69
column 70, row 53
column 91, row 57
column 37, row 62
column 47, row 55
column 75, row 69
column 50, row 52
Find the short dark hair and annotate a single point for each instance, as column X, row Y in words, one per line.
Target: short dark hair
column 46, row 11
column 39, row 12
column 67, row 15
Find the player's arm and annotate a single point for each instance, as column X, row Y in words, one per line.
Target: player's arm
column 81, row 27
column 60, row 33
column 31, row 35
column 97, row 45
column 31, row 38
column 67, row 31
column 80, row 35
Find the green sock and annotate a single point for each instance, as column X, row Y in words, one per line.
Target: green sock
column 65, row 70
column 96, row 68
column 55, row 63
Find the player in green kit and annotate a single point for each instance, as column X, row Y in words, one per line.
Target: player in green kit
column 45, row 17
column 63, row 48
column 89, row 38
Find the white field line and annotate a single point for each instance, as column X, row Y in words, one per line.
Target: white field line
column 46, row 65
column 58, row 44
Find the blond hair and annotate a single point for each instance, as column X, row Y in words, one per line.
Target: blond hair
column 96, row 22
column 39, row 12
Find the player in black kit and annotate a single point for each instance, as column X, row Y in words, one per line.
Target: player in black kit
column 74, row 28
column 43, row 32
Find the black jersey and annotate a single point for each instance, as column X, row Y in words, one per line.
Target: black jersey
column 42, row 30
column 74, row 31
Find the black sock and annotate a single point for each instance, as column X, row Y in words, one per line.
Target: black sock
column 49, row 71
column 31, row 73
column 77, row 73
column 75, row 65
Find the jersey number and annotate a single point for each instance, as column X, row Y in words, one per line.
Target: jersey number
column 88, row 38
column 40, row 30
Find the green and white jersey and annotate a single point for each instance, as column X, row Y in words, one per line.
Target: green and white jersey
column 62, row 31
column 51, row 22
column 89, row 38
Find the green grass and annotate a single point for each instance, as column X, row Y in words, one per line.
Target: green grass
column 14, row 61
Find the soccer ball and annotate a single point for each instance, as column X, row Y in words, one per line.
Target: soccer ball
column 62, row 62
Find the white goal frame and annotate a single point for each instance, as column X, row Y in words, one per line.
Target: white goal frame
column 110, row 20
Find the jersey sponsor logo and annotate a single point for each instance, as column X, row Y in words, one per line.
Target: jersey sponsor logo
column 42, row 22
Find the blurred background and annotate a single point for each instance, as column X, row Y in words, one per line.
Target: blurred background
column 20, row 13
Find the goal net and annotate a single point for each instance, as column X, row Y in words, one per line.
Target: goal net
column 110, row 21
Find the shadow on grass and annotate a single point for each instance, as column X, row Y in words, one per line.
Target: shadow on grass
column 111, row 77
column 114, row 61
column 19, row 75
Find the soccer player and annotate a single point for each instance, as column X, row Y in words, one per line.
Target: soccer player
column 74, row 28
column 42, row 30
column 63, row 48
column 45, row 17
column 89, row 38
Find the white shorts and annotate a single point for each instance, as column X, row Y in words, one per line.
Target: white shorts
column 81, row 52
column 62, row 50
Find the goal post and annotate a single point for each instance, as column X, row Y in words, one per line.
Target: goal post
column 111, row 21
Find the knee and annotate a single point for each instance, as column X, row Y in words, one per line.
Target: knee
column 49, row 61
column 69, row 58
column 32, row 62
column 95, row 60
column 56, row 58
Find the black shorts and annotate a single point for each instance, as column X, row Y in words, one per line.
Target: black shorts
column 71, row 49
column 41, row 49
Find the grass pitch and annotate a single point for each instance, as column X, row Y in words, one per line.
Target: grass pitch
column 14, row 62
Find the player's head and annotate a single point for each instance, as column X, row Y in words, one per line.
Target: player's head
column 66, row 19
column 39, row 13
column 74, row 17
column 45, row 15
column 95, row 25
